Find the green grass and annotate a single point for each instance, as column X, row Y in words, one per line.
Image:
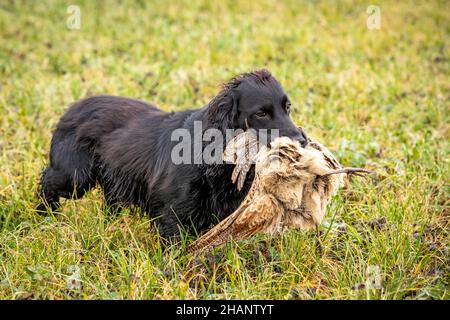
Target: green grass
column 377, row 98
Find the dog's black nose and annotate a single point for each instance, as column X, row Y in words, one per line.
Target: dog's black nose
column 301, row 137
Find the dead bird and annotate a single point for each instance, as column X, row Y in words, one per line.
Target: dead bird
column 291, row 188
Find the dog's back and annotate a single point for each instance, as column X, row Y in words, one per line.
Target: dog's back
column 92, row 118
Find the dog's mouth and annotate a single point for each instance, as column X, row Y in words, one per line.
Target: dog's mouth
column 301, row 137
column 298, row 135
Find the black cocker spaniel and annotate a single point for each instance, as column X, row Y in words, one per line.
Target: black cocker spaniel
column 125, row 146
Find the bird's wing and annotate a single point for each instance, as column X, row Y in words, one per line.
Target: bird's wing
column 250, row 218
column 242, row 151
column 241, row 148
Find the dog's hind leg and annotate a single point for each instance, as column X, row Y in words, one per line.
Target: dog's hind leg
column 69, row 175
column 52, row 182
column 56, row 183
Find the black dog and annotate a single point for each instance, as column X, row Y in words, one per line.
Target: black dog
column 124, row 146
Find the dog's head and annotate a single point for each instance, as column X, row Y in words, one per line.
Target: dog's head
column 255, row 100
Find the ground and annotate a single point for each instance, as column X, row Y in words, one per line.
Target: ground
column 378, row 98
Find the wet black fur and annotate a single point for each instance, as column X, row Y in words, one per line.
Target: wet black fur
column 124, row 146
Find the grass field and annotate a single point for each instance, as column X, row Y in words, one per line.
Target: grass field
column 377, row 98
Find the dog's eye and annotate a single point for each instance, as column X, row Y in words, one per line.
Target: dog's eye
column 288, row 106
column 261, row 114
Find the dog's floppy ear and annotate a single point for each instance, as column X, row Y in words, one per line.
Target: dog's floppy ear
column 223, row 111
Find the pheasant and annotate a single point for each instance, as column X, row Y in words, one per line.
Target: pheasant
column 291, row 188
